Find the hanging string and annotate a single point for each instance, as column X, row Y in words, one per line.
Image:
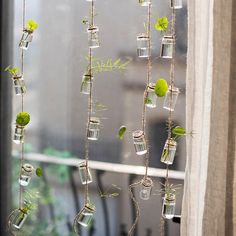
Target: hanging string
column 22, row 106
column 144, row 120
column 90, row 102
column 90, row 111
column 172, row 77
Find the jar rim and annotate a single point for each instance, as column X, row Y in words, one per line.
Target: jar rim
column 138, row 133
column 142, row 36
column 27, row 167
column 94, row 120
column 151, row 85
column 173, row 89
column 147, row 182
column 171, row 142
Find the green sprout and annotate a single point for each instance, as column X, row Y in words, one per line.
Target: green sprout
column 32, row 25
column 169, row 190
column 110, row 194
column 162, row 24
column 12, row 70
column 108, row 65
column 122, row 131
column 148, row 100
column 179, row 131
column 23, row 118
column 161, row 87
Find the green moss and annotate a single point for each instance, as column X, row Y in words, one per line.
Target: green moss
column 23, row 118
column 162, row 24
column 32, row 25
column 161, row 87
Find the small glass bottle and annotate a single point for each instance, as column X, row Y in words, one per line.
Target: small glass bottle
column 19, row 134
column 142, row 45
column 26, row 38
column 26, row 174
column 151, row 98
column 176, row 4
column 86, row 83
column 19, row 85
column 171, row 98
column 146, row 188
column 86, row 215
column 93, row 39
column 167, row 46
column 85, row 173
column 168, row 207
column 18, row 217
column 139, row 142
column 93, row 128
column 168, row 153
column 144, row 2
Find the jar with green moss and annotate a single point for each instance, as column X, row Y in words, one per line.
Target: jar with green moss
column 22, row 119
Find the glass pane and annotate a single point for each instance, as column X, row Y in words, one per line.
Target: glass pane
column 54, row 66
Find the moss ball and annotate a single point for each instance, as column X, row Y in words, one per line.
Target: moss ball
column 23, row 118
column 161, row 87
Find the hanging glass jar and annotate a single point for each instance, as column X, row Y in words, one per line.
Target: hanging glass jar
column 168, row 207
column 93, row 39
column 86, row 83
column 19, row 134
column 85, row 173
column 167, row 46
column 86, row 215
column 19, row 85
column 139, row 142
column 144, row 2
column 171, row 98
column 18, row 217
column 26, row 174
column 168, row 153
column 142, row 45
column 93, row 128
column 26, row 38
column 146, row 188
column 176, row 4
column 151, row 98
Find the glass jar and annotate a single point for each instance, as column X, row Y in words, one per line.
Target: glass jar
column 17, row 219
column 176, row 4
column 171, row 98
column 93, row 39
column 142, row 45
column 86, row 84
column 19, row 134
column 144, row 2
column 168, row 153
column 151, row 98
column 93, row 128
column 85, row 173
column 19, row 85
column 86, row 215
column 167, row 46
column 26, row 38
column 146, row 188
column 139, row 142
column 168, row 207
column 26, row 174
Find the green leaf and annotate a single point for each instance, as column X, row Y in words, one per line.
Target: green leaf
column 39, row 172
column 162, row 24
column 23, row 118
column 179, row 131
column 12, row 70
column 161, row 87
column 122, row 131
column 32, row 25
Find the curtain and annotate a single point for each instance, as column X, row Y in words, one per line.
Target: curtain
column 209, row 197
